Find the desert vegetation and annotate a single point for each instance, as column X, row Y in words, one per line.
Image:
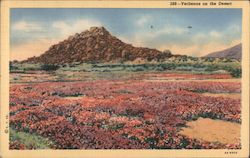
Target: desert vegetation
column 110, row 109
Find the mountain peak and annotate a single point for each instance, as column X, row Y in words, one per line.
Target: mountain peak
column 96, row 45
column 98, row 30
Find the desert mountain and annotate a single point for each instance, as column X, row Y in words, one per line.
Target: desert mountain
column 232, row 53
column 96, row 44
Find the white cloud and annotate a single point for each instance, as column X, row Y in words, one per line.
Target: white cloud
column 199, row 37
column 215, row 34
column 142, row 38
column 143, row 20
column 202, row 38
column 172, row 30
column 181, row 49
column 167, row 30
column 67, row 29
column 233, row 28
column 30, row 49
column 26, row 26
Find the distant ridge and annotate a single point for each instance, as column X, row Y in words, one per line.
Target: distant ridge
column 96, row 45
column 234, row 52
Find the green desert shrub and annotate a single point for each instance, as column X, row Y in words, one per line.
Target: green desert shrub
column 31, row 141
column 49, row 67
column 235, row 72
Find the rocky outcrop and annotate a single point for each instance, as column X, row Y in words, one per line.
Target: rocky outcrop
column 96, row 45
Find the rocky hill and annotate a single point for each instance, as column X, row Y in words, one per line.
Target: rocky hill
column 234, row 52
column 96, row 45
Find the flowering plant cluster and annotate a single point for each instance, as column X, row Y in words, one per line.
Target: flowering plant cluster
column 130, row 114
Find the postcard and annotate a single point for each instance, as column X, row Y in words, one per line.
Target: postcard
column 124, row 79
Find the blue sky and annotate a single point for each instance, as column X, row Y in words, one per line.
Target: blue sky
column 34, row 30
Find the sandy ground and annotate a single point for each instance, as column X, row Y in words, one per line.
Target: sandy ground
column 73, row 98
column 225, row 95
column 190, row 80
column 212, row 131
